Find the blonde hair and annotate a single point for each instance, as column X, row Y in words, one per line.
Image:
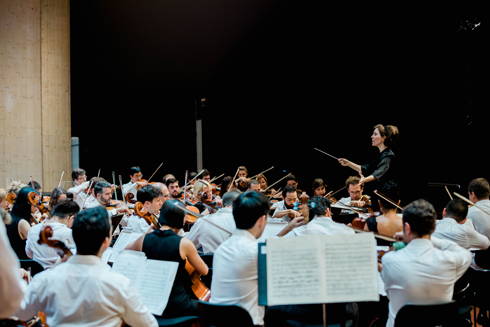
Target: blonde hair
column 5, row 216
column 199, row 186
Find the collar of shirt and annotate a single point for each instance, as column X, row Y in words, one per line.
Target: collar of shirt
column 245, row 234
column 85, row 259
column 418, row 245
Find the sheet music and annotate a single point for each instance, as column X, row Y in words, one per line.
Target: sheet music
column 123, row 240
column 322, row 269
column 153, row 279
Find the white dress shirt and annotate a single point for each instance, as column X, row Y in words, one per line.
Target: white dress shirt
column 205, row 234
column 235, row 279
column 11, row 287
column 424, row 272
column 464, row 234
column 278, row 206
column 78, row 195
column 326, row 226
column 84, row 292
column 480, row 219
column 46, row 255
column 135, row 224
column 130, row 188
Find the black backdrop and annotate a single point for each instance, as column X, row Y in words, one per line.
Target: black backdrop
column 281, row 77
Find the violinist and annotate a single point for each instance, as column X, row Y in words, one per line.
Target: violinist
column 89, row 197
column 152, row 199
column 203, row 196
column 83, row 289
column 58, row 194
column 80, row 184
column 384, row 168
column 166, row 244
column 355, row 198
column 61, row 222
column 136, row 182
column 254, row 185
column 173, row 188
column 103, row 196
column 285, row 208
column 389, row 222
column 479, row 193
column 318, row 187
column 206, row 175
column 36, row 186
column 242, row 172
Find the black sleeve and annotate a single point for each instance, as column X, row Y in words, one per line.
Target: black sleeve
column 382, row 167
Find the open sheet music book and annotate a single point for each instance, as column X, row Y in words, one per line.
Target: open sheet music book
column 318, row 269
column 123, row 240
column 152, row 278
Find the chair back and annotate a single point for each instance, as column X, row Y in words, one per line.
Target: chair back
column 224, row 315
column 429, row 315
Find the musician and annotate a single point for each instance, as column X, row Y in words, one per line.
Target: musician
column 210, row 231
column 206, row 175
column 389, row 222
column 235, row 261
column 457, row 228
column 318, row 187
column 61, row 221
column 254, row 185
column 152, row 199
column 80, row 184
column 262, row 181
column 18, row 229
column 166, row 244
column 3, row 199
column 11, row 288
column 355, row 189
column 242, row 172
column 84, row 289
column 173, row 188
column 134, row 183
column 204, row 197
column 292, row 181
column 35, row 185
column 102, row 197
column 425, row 271
column 479, row 193
column 285, row 207
column 167, row 177
column 384, row 168
column 321, row 220
column 58, row 195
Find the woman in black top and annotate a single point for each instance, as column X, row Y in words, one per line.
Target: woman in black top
column 382, row 170
column 19, row 227
column 166, row 244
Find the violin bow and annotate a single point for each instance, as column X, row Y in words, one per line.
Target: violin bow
column 122, row 192
column 114, row 182
column 185, row 183
column 273, row 195
column 61, row 178
column 384, row 197
column 216, row 178
column 188, row 183
column 88, row 195
column 233, row 180
column 470, row 202
column 268, row 187
column 332, row 194
column 448, row 193
column 262, row 172
column 158, row 168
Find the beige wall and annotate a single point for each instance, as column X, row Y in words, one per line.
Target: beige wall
column 35, row 125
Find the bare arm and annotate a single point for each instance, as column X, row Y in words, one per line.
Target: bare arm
column 188, row 251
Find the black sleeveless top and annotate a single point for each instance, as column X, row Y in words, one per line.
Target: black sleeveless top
column 17, row 243
column 165, row 245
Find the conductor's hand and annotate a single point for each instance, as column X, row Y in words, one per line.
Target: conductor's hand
column 344, row 162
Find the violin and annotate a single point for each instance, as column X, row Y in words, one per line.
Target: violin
column 38, row 320
column 191, row 213
column 34, row 200
column 199, row 289
column 11, row 196
column 44, row 238
column 150, row 218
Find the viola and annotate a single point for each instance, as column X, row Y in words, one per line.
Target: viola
column 199, row 289
column 150, row 218
column 44, row 238
column 192, row 213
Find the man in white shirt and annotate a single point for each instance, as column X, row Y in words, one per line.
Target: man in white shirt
column 11, row 290
column 210, row 231
column 84, row 291
column 321, row 221
column 80, row 183
column 173, row 188
column 479, row 214
column 61, row 222
column 355, row 189
column 284, row 209
column 135, row 182
column 152, row 199
column 235, row 261
column 102, row 197
column 423, row 272
column 457, row 228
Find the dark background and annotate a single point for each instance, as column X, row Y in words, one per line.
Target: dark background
column 281, row 77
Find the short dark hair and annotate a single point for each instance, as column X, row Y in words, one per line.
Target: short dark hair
column 65, row 209
column 318, row 205
column 391, row 191
column 248, row 208
column 480, row 187
column 90, row 229
column 317, row 182
column 77, row 172
column 291, row 177
column 421, row 217
column 205, row 172
column 134, row 170
column 172, row 214
column 457, row 209
column 352, row 180
column 35, row 185
column 288, row 189
column 229, row 197
column 100, row 186
column 55, row 195
column 148, row 193
column 171, row 181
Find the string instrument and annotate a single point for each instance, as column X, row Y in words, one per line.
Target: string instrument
column 37, row 321
column 44, row 238
column 33, row 199
column 301, row 206
column 215, row 189
column 150, row 218
column 11, row 196
column 192, row 213
column 199, row 289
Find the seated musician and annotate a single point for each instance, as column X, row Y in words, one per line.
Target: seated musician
column 318, row 187
column 58, row 195
column 84, row 291
column 479, row 193
column 19, row 227
column 423, row 272
column 389, row 222
column 134, row 183
column 80, row 184
column 203, row 196
column 152, row 199
column 166, row 244
column 173, row 188
column 457, row 228
column 254, row 185
column 103, row 197
column 88, row 195
column 209, row 232
column 61, row 221
column 355, row 189
column 35, row 185
column 284, row 208
column 11, row 290
column 206, row 175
